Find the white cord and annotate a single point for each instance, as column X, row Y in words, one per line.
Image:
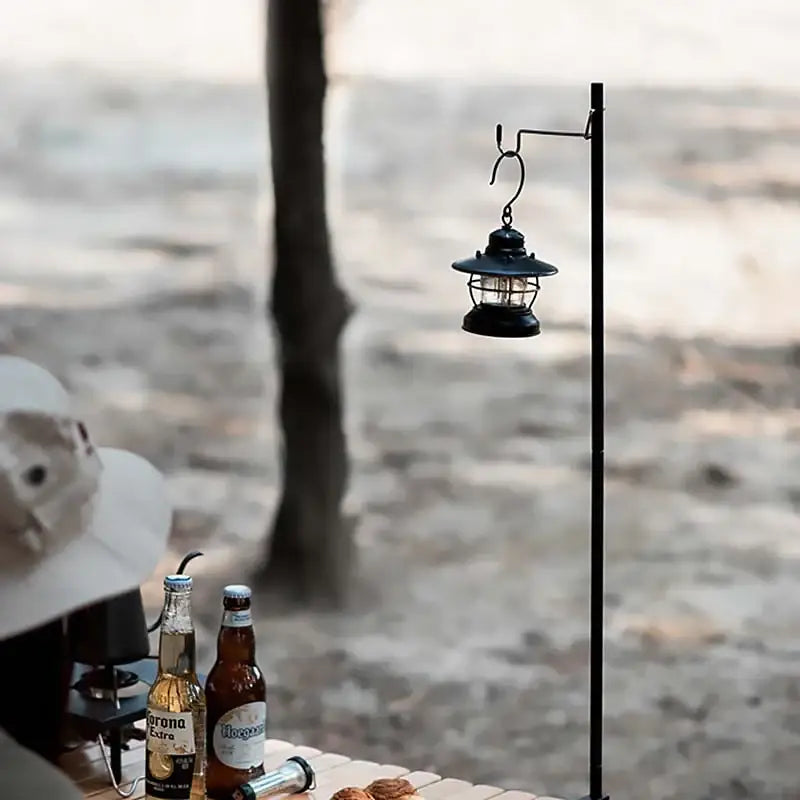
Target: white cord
column 119, row 791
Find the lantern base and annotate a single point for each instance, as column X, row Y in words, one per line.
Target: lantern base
column 500, row 321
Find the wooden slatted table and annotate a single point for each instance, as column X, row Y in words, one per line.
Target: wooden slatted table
column 334, row 771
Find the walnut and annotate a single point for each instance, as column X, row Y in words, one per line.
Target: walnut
column 352, row 793
column 391, row 789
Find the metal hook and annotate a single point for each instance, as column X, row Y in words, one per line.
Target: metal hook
column 586, row 133
column 506, row 217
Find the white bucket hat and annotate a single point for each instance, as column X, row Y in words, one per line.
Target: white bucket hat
column 78, row 523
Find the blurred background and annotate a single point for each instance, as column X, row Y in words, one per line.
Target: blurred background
column 135, row 232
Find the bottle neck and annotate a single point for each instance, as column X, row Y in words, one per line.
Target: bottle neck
column 176, row 651
column 236, row 640
column 177, row 617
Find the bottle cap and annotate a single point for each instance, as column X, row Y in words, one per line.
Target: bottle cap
column 179, row 583
column 236, row 590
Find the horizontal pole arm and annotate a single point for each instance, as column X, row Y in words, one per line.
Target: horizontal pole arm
column 586, row 133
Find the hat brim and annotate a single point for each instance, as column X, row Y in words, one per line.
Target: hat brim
column 25, row 386
column 122, row 543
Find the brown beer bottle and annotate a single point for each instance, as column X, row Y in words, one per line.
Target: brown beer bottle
column 236, row 701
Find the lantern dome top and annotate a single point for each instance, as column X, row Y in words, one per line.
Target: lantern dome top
column 505, row 256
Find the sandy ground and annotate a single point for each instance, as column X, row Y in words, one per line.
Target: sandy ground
column 132, row 196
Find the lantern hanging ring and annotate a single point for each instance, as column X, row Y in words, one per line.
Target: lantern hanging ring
column 586, row 133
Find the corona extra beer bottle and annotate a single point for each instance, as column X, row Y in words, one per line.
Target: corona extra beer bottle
column 176, row 705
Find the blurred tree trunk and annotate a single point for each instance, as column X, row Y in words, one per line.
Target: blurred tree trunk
column 310, row 549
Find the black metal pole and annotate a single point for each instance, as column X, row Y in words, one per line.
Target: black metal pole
column 598, row 449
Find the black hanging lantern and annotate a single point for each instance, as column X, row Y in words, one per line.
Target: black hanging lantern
column 504, row 278
column 503, row 283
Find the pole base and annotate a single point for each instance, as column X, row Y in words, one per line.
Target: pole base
column 589, row 797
